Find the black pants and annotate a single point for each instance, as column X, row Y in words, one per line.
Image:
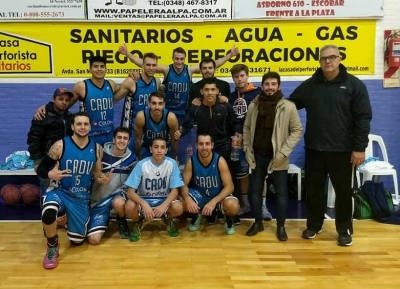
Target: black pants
column 317, row 167
column 280, row 184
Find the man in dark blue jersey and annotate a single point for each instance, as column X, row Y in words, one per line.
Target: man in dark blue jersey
column 96, row 97
column 138, row 92
column 210, row 185
column 72, row 161
column 155, row 121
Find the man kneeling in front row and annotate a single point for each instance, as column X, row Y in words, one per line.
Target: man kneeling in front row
column 208, row 186
column 153, row 190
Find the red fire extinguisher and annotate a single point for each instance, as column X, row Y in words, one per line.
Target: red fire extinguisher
column 394, row 52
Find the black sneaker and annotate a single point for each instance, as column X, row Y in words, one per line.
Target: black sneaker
column 211, row 220
column 310, row 234
column 344, row 240
column 236, row 220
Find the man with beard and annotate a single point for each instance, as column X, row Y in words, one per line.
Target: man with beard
column 208, row 185
column 272, row 129
column 155, row 121
column 73, row 161
column 207, row 69
column 138, row 92
column 96, row 96
column 119, row 161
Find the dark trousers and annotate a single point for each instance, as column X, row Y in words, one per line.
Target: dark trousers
column 317, row 167
column 280, row 185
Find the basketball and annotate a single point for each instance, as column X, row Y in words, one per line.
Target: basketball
column 30, row 194
column 11, row 194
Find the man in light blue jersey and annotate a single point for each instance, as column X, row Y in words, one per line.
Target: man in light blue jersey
column 208, row 185
column 72, row 161
column 155, row 121
column 153, row 190
column 119, row 161
column 138, row 92
column 96, row 97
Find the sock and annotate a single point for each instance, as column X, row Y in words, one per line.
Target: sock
column 245, row 199
column 264, row 201
column 53, row 241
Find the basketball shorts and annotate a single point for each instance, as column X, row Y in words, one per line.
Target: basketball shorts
column 202, row 200
column 154, row 202
column 100, row 212
column 76, row 207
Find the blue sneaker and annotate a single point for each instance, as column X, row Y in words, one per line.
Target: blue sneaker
column 195, row 223
column 229, row 226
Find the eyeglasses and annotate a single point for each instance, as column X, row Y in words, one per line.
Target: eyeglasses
column 330, row 58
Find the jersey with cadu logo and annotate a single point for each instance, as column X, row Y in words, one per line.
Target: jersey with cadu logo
column 99, row 104
column 177, row 87
column 81, row 162
column 154, row 129
column 206, row 179
column 137, row 102
column 155, row 180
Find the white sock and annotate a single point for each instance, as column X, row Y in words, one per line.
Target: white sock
column 264, row 201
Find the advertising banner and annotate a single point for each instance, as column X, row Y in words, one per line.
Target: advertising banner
column 307, row 9
column 159, row 10
column 288, row 47
column 42, row 9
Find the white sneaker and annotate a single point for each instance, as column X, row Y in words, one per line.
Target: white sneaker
column 266, row 214
column 244, row 209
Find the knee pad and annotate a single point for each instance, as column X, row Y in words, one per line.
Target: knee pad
column 49, row 216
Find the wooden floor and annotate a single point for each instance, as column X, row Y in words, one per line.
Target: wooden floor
column 206, row 259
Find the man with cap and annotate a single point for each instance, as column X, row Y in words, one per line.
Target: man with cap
column 51, row 128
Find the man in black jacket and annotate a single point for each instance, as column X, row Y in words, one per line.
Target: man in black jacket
column 217, row 119
column 207, row 69
column 53, row 127
column 338, row 123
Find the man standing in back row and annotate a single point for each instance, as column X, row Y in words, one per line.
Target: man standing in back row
column 177, row 77
column 338, row 123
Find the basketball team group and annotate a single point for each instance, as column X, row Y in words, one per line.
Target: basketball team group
column 88, row 167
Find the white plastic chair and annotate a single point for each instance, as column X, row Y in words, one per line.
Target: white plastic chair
column 369, row 173
column 293, row 169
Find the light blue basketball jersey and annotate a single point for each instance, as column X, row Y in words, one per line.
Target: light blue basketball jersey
column 206, row 179
column 80, row 161
column 152, row 129
column 99, row 104
column 177, row 87
column 155, row 180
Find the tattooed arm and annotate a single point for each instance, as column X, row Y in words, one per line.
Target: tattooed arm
column 51, row 161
